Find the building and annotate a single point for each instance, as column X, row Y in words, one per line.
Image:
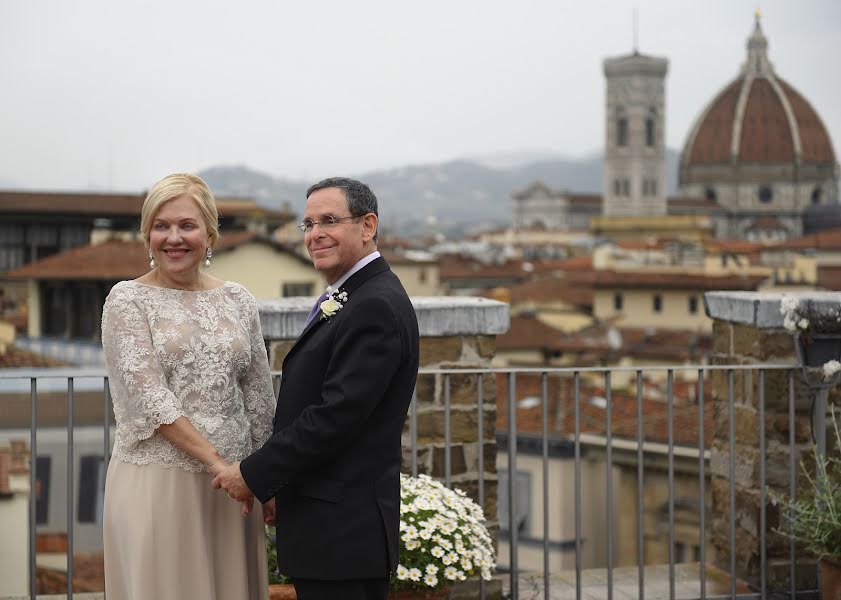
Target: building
column 760, row 151
column 634, row 181
column 758, row 162
column 66, row 291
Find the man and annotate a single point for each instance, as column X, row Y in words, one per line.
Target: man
column 333, row 461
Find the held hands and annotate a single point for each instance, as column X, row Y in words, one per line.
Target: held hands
column 229, row 478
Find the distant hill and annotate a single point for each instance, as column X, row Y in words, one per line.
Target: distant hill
column 462, row 193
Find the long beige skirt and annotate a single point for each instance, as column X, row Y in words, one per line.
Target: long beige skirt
column 169, row 536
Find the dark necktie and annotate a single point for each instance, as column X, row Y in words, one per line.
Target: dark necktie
column 316, row 308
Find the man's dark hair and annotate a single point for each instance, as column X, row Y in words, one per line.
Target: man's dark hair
column 360, row 199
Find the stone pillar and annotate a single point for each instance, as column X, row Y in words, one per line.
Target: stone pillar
column 455, row 332
column 748, row 329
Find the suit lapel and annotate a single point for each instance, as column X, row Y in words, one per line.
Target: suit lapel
column 376, row 266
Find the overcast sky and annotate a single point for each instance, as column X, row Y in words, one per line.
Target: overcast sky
column 115, row 95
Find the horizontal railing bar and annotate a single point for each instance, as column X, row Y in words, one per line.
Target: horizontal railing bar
column 84, row 373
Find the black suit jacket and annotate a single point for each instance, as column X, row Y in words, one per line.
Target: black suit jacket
column 333, row 461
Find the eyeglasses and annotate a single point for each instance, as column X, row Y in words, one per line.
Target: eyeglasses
column 328, row 222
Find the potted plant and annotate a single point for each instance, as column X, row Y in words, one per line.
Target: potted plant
column 443, row 539
column 813, row 516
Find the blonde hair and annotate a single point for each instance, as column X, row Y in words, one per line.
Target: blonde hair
column 172, row 187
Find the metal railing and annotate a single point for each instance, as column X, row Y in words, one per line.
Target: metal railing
column 577, row 377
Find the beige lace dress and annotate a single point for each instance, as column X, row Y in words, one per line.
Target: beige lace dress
column 198, row 354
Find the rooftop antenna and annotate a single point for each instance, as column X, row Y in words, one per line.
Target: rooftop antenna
column 636, row 32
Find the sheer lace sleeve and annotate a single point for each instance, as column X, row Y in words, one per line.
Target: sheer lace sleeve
column 142, row 400
column 257, row 382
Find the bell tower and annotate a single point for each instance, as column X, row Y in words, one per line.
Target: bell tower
column 634, row 180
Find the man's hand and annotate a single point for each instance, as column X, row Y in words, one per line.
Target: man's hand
column 269, row 512
column 230, row 479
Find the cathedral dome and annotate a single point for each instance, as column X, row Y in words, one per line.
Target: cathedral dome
column 757, row 119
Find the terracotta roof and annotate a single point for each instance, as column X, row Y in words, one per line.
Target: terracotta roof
column 672, row 345
column 105, row 205
column 549, row 289
column 829, row 239
column 113, row 260
column 607, row 279
column 529, row 333
column 457, row 267
column 592, row 415
column 761, row 117
column 116, row 260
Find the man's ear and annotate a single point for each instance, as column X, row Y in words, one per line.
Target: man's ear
column 369, row 227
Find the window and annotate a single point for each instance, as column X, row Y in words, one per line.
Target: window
column 626, row 187
column 687, row 552
column 710, row 194
column 621, row 127
column 650, row 127
column 816, row 195
column 91, row 489
column 657, row 303
column 618, row 302
column 297, row 289
column 765, row 194
column 522, row 501
column 649, row 187
column 42, row 489
column 693, row 305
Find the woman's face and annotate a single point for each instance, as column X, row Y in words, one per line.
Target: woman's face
column 178, row 238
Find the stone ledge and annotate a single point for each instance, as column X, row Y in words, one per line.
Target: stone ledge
column 762, row 309
column 284, row 318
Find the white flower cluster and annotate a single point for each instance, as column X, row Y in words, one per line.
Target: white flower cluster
column 830, row 368
column 333, row 303
column 443, row 536
column 792, row 319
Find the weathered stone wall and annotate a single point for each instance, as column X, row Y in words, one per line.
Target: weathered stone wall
column 748, row 330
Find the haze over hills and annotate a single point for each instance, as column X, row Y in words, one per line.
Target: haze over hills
column 458, row 194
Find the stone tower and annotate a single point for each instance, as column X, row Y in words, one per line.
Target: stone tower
column 634, row 181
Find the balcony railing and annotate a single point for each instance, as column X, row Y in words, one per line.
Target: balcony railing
column 550, row 413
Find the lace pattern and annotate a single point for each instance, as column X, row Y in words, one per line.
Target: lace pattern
column 173, row 353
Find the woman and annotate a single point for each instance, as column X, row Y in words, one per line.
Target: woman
column 191, row 389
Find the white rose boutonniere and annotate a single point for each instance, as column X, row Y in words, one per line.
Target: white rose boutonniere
column 333, row 303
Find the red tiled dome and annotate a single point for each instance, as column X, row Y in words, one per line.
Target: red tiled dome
column 758, row 118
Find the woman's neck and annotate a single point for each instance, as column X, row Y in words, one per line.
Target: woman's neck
column 193, row 281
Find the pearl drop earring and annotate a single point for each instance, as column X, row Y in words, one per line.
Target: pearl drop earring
column 209, row 256
column 152, row 263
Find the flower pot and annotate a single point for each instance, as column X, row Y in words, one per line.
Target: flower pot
column 820, row 348
column 439, row 594
column 830, row 580
column 282, row 591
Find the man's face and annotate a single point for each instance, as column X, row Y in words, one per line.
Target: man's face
column 334, row 250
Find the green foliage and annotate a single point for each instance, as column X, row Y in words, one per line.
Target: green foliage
column 813, row 517
column 275, row 576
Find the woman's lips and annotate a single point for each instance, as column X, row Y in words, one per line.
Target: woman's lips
column 175, row 254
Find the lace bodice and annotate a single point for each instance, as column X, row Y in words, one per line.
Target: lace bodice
column 201, row 355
